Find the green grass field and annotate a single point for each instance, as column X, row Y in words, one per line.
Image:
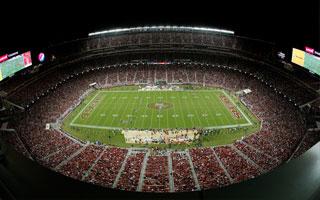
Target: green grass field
column 104, row 112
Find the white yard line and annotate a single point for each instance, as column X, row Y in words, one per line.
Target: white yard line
column 217, row 109
column 181, row 111
column 152, row 111
column 167, row 110
column 193, row 104
column 139, row 108
column 184, row 105
column 145, row 112
column 205, row 111
column 175, row 113
column 158, row 115
column 102, row 103
column 124, row 112
column 207, row 105
column 112, row 110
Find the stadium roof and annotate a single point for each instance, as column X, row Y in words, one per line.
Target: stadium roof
column 162, row 28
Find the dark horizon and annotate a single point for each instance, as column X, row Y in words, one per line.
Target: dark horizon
column 296, row 25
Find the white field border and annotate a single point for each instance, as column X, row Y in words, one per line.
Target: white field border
column 249, row 123
column 244, row 115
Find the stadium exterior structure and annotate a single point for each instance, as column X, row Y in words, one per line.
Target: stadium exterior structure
column 183, row 45
column 161, row 39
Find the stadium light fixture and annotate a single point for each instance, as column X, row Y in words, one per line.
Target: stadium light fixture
column 161, row 28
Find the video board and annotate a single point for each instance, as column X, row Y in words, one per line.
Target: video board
column 10, row 66
column 312, row 63
column 307, row 60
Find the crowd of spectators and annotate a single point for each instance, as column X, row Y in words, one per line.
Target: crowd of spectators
column 282, row 129
column 209, row 172
column 130, row 176
column 78, row 165
column 238, row 167
column 106, row 169
column 266, row 162
column 156, row 178
column 182, row 174
column 53, row 160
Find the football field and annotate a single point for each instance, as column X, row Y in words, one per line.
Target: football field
column 132, row 109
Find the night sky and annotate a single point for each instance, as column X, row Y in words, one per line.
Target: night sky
column 40, row 24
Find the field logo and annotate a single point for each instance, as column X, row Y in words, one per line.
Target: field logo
column 160, row 106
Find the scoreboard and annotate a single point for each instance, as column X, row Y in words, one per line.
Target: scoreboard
column 312, row 63
column 10, row 66
column 306, row 60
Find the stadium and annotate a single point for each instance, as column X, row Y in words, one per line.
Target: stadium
column 159, row 110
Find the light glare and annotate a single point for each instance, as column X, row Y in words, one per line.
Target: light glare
column 146, row 28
